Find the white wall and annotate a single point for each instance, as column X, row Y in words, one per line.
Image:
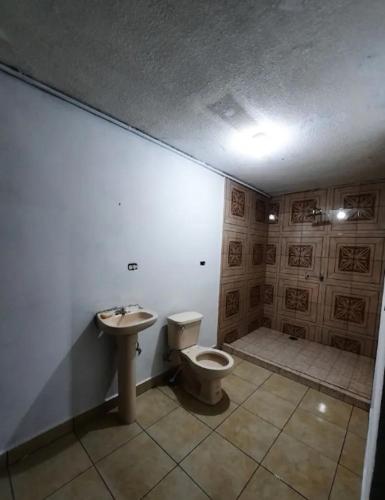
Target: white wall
column 79, row 199
column 375, row 409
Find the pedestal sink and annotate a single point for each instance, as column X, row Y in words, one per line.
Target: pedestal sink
column 126, row 325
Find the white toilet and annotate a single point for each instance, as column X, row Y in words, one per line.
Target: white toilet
column 203, row 368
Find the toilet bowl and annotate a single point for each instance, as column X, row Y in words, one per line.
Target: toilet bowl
column 207, row 362
column 202, row 368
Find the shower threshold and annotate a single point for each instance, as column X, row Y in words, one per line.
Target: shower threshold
column 344, row 375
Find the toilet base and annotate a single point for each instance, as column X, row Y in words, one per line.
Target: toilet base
column 207, row 391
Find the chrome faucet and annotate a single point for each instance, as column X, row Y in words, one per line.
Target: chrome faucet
column 126, row 309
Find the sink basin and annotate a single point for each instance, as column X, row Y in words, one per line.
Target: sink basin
column 129, row 323
column 126, row 328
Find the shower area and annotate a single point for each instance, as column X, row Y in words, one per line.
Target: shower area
column 301, row 284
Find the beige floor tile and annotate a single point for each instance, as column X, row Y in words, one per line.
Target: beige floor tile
column 302, row 467
column 87, row 486
column 102, row 435
column 214, row 415
column 211, row 415
column 49, row 468
column 359, row 422
column 270, row 407
column 333, row 410
column 248, row 432
column 134, row 468
column 347, row 486
column 353, row 453
column 5, row 487
column 237, row 389
column 325, row 437
column 168, row 390
column 178, row 433
column 151, row 406
column 265, row 486
column 252, row 373
column 285, row 388
column 219, row 468
column 176, row 485
column 236, row 359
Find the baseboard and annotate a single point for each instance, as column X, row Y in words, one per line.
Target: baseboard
column 22, row 450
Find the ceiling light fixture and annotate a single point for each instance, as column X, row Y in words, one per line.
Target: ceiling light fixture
column 341, row 214
column 259, row 141
column 272, row 217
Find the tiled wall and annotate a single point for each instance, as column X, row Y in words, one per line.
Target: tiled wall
column 243, row 262
column 323, row 275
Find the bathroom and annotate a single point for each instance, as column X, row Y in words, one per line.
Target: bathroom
column 192, row 251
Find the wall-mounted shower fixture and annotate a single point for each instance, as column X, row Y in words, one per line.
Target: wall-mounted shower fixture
column 320, row 217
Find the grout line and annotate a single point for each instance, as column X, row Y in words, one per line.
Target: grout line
column 178, row 463
column 272, row 444
column 160, row 480
column 60, row 487
column 284, row 482
column 94, row 466
column 68, row 482
column 197, row 415
column 340, row 455
column 110, row 452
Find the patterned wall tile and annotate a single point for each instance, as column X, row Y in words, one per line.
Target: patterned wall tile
column 353, row 309
column 302, row 256
column 363, row 206
column 255, row 294
column 298, row 298
column 270, row 294
column 243, row 255
column 232, row 333
column 298, row 214
column 258, row 212
column 275, row 208
column 272, row 254
column 296, row 327
column 289, row 255
column 254, row 313
column 232, row 302
column 237, row 204
column 355, row 259
column 235, row 253
column 293, row 330
column 267, row 321
column 256, row 261
column 348, row 341
column 253, row 323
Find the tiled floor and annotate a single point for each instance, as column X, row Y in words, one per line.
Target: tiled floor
column 269, row 438
column 345, row 375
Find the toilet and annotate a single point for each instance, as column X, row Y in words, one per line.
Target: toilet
column 202, row 368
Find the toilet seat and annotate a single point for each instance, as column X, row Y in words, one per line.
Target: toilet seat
column 209, row 361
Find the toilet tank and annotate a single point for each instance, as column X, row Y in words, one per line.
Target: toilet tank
column 183, row 329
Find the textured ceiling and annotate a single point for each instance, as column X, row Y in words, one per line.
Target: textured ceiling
column 172, row 68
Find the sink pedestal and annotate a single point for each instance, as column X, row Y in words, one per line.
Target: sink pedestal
column 126, row 325
column 126, row 377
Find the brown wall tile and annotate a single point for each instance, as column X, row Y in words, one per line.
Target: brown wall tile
column 308, row 276
column 243, row 261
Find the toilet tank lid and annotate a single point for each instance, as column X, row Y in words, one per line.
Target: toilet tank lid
column 184, row 318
